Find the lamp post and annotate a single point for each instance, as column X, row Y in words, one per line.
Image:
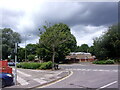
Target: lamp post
column 25, row 48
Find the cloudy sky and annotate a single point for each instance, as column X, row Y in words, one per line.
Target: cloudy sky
column 86, row 20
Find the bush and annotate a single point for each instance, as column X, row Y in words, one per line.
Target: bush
column 104, row 62
column 109, row 61
column 31, row 57
column 46, row 65
column 32, row 65
column 29, row 65
column 99, row 62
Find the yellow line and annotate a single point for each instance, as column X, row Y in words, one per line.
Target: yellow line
column 71, row 73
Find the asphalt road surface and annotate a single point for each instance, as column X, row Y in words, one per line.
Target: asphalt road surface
column 88, row 76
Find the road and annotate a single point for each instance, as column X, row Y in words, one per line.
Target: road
column 88, row 76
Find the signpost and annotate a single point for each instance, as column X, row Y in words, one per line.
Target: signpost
column 16, row 45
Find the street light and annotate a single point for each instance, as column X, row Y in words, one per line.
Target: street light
column 25, row 48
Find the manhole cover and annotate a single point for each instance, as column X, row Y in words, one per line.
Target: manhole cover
column 71, row 84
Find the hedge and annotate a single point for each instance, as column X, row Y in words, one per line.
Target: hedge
column 104, row 62
column 32, row 65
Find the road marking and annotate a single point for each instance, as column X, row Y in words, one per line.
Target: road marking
column 40, row 80
column 27, row 75
column 57, row 81
column 107, row 85
column 115, row 70
column 88, row 70
column 22, row 81
column 94, row 70
column 100, row 70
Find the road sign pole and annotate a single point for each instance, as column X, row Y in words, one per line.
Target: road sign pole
column 16, row 45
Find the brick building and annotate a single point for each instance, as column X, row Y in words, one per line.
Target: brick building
column 80, row 57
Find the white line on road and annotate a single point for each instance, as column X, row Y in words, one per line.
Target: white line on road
column 27, row 75
column 94, row 70
column 107, row 85
column 22, row 81
column 40, row 80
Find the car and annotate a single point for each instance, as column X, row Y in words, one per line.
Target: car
column 6, row 79
column 11, row 63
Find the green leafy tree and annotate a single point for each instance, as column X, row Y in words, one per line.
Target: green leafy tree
column 82, row 48
column 56, row 37
column 21, row 54
column 91, row 50
column 108, row 45
column 9, row 38
column 43, row 53
column 31, row 57
column 31, row 49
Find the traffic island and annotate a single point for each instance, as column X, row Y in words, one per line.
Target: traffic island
column 48, row 77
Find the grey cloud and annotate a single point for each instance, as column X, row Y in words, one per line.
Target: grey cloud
column 11, row 18
column 96, row 14
column 72, row 14
column 100, row 13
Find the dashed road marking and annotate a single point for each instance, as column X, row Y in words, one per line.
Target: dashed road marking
column 98, row 70
column 40, row 80
column 22, row 81
column 27, row 75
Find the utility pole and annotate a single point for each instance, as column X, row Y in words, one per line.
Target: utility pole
column 25, row 48
column 16, row 46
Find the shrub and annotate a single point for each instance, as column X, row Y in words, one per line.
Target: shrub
column 31, row 57
column 99, row 62
column 29, row 65
column 32, row 65
column 109, row 61
column 104, row 62
column 46, row 65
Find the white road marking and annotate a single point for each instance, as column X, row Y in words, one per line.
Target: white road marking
column 27, row 75
column 40, row 80
column 115, row 70
column 107, row 70
column 100, row 70
column 88, row 70
column 22, row 81
column 94, row 70
column 107, row 85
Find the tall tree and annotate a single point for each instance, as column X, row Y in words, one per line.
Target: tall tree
column 21, row 54
column 57, row 36
column 108, row 45
column 9, row 38
column 82, row 48
column 31, row 49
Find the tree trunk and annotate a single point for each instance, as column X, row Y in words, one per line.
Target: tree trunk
column 53, row 58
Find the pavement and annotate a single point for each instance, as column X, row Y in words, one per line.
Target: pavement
column 27, row 78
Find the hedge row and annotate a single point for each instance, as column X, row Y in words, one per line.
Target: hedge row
column 104, row 62
column 32, row 65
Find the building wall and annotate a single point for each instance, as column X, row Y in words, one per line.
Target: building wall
column 81, row 57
